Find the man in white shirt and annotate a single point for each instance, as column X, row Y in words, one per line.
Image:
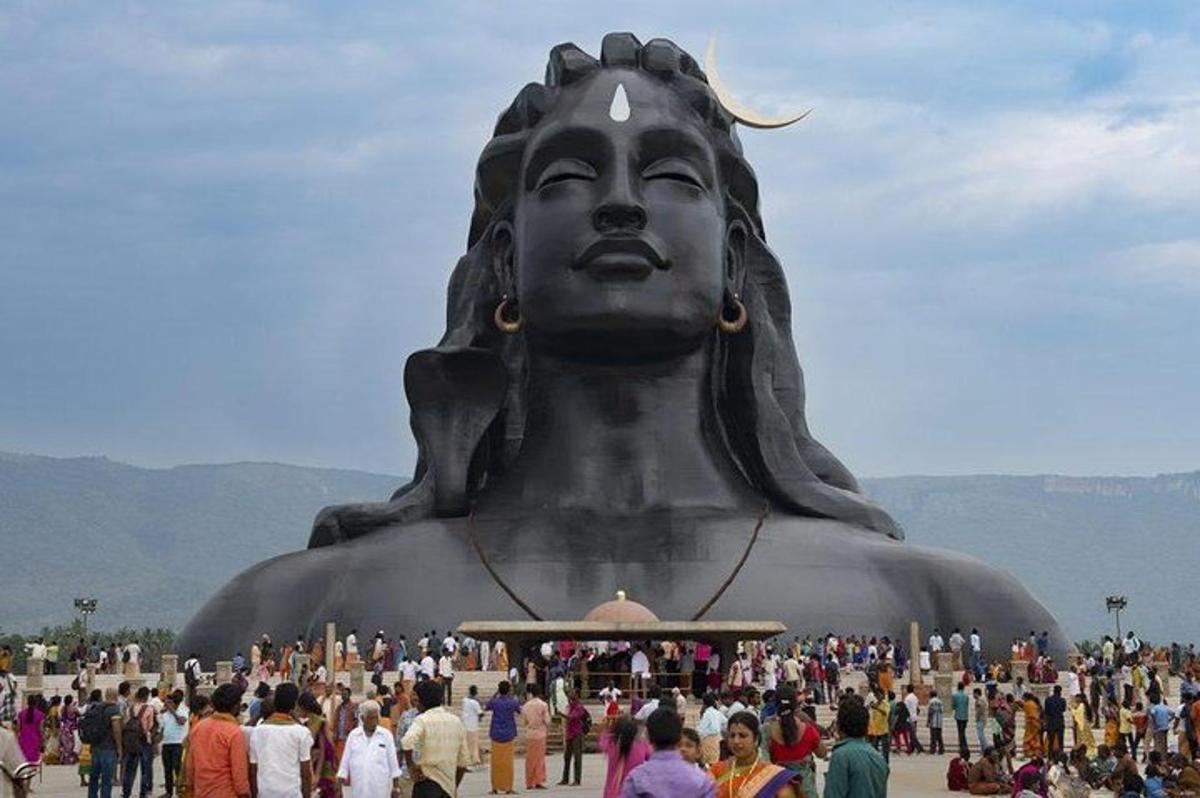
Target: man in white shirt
column 956, row 645
column 173, row 720
column 913, row 705
column 132, row 656
column 450, row 645
column 791, row 671
column 428, row 667
column 369, row 765
column 472, row 712
column 279, row 750
column 976, row 650
column 650, row 705
column 446, row 672
column 36, row 649
column 935, row 641
column 408, row 674
column 352, row 646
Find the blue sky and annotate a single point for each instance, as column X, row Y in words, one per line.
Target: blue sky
column 225, row 225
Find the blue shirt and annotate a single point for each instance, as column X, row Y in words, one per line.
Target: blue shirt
column 962, row 704
column 666, row 775
column 1162, row 716
column 504, row 709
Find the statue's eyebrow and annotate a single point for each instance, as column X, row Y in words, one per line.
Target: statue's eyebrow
column 576, row 141
column 680, row 142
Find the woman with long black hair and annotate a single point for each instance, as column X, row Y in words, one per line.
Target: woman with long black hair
column 793, row 739
column 624, row 749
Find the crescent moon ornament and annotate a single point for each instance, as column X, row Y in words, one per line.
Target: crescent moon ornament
column 740, row 112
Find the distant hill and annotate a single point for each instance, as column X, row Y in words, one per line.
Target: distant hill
column 152, row 544
column 1071, row 540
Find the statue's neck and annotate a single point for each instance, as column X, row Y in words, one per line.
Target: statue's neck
column 622, row 439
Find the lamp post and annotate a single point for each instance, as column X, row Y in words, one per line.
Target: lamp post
column 1116, row 604
column 85, row 606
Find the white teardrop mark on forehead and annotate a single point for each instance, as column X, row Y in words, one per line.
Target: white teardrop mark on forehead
column 619, row 110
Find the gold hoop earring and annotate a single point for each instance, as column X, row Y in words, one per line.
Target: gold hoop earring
column 504, row 325
column 735, row 326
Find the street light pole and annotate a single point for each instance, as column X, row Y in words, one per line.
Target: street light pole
column 1115, row 604
column 86, row 607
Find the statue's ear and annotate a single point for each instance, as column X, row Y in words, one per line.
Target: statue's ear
column 502, row 256
column 735, row 256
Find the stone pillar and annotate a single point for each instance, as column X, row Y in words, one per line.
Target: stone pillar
column 35, row 669
column 915, row 677
column 944, row 684
column 300, row 673
column 1020, row 669
column 357, row 680
column 224, row 673
column 170, row 668
column 945, row 662
column 1041, row 692
column 330, row 652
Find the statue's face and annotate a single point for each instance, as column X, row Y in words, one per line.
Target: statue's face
column 619, row 233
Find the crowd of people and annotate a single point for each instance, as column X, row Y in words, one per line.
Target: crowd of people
column 300, row 731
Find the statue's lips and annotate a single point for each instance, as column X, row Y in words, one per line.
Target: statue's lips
column 620, row 259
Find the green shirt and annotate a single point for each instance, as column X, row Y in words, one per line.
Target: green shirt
column 961, row 704
column 856, row 770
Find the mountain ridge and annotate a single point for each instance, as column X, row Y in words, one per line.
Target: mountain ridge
column 153, row 543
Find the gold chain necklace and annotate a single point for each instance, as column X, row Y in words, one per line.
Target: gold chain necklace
column 734, row 787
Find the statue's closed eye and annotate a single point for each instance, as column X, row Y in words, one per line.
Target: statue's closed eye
column 565, row 169
column 676, row 169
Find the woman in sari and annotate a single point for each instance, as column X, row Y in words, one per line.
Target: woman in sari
column 50, row 730
column 1081, row 722
column 624, row 750
column 29, row 728
column 1112, row 724
column 793, row 739
column 1031, row 743
column 323, row 756
column 745, row 774
column 1033, row 767
column 68, row 725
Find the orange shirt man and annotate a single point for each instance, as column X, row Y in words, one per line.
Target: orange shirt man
column 218, row 762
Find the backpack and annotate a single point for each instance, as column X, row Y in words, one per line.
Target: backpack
column 189, row 673
column 93, row 725
column 132, row 734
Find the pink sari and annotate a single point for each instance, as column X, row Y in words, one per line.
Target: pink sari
column 30, row 735
column 618, row 766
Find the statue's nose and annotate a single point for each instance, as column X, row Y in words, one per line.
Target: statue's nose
column 619, row 216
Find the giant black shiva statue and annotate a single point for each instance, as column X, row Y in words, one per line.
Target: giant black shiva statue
column 616, row 403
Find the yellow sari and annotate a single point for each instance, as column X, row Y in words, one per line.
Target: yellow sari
column 1084, row 738
column 1031, row 743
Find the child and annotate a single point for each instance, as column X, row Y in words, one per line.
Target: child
column 689, row 747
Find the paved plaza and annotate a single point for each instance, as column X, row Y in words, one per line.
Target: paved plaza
column 916, row 776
